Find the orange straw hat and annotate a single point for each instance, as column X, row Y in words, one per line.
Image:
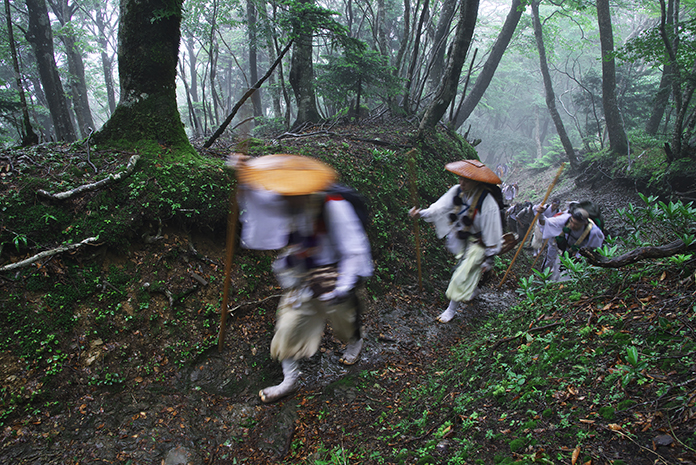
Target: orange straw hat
column 473, row 169
column 286, row 174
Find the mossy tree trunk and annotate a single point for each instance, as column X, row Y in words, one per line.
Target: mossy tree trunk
column 148, row 50
column 302, row 73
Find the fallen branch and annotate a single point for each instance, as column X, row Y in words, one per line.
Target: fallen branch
column 244, row 98
column 641, row 253
column 254, row 303
column 96, row 185
column 345, row 136
column 48, row 253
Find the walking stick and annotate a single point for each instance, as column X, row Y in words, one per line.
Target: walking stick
column 231, row 242
column 414, row 199
column 543, row 202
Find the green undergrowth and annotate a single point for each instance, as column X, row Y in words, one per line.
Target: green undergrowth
column 569, row 365
column 606, row 356
column 647, row 167
column 193, row 192
column 109, row 294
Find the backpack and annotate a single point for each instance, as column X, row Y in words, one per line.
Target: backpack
column 592, row 209
column 356, row 199
column 497, row 194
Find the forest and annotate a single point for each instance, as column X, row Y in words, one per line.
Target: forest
column 118, row 230
column 527, row 82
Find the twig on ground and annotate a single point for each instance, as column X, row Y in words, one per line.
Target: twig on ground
column 200, row 256
column 254, row 303
column 48, row 253
column 624, row 435
column 151, row 289
column 88, row 187
column 346, row 136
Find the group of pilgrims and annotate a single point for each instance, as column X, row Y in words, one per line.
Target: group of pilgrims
column 291, row 203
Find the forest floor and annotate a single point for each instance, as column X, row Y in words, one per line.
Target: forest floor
column 158, row 411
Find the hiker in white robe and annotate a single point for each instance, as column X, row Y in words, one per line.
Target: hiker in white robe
column 325, row 255
column 569, row 232
column 472, row 228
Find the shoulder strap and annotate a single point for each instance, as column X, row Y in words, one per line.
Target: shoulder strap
column 584, row 234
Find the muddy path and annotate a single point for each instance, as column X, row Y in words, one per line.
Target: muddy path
column 209, row 411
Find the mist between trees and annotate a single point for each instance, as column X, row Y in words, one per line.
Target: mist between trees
column 529, row 82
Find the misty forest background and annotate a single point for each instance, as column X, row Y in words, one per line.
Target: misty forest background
column 526, row 82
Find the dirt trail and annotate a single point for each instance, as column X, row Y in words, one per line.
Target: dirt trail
column 209, row 412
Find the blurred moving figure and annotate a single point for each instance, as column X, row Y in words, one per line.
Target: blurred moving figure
column 288, row 202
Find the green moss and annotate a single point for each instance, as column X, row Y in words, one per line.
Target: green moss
column 517, row 444
column 607, row 413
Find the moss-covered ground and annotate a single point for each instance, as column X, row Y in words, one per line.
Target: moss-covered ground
column 598, row 369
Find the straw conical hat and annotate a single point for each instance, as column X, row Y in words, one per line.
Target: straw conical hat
column 473, row 169
column 286, row 174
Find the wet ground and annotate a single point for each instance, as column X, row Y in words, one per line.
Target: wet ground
column 209, row 412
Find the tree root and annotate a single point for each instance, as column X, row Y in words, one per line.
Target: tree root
column 96, row 185
column 48, row 253
column 641, row 253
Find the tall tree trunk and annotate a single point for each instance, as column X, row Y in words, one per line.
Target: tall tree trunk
column 414, row 59
column 76, row 67
column 612, row 115
column 191, row 86
column 665, row 88
column 381, row 32
column 286, row 94
column 460, row 46
column 253, row 70
column 660, row 103
column 27, row 133
column 486, row 74
column 273, row 90
column 537, row 134
column 193, row 117
column 440, row 41
column 106, row 59
column 40, row 36
column 302, row 77
column 548, row 87
column 404, row 39
column 147, row 56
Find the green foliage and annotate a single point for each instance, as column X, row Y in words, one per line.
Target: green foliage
column 657, row 222
column 554, row 156
column 650, row 47
column 298, row 18
column 358, row 71
column 192, row 192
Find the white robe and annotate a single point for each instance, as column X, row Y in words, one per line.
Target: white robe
column 267, row 223
column 487, row 222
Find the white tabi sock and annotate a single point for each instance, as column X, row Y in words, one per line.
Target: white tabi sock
column 290, row 374
column 352, row 352
column 449, row 313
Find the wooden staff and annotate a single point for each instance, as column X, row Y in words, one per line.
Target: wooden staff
column 232, row 218
column 414, row 199
column 231, row 241
column 531, row 226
